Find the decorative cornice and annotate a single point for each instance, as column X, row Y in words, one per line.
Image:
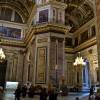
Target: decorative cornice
column 48, row 26
column 82, row 46
column 45, row 28
column 69, row 50
column 86, row 44
column 85, row 26
column 12, row 42
column 54, row 3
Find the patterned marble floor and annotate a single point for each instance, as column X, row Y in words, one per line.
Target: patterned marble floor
column 9, row 95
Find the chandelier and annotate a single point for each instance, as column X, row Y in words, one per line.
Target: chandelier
column 79, row 61
column 2, row 55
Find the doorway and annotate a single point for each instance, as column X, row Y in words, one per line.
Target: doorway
column 3, row 67
column 86, row 75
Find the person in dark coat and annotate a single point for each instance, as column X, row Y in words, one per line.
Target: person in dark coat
column 43, row 94
column 91, row 90
column 52, row 94
column 24, row 90
column 31, row 91
column 17, row 93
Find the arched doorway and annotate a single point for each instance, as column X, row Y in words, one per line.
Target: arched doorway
column 3, row 67
column 86, row 75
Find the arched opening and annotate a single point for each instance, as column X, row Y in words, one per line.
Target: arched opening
column 86, row 75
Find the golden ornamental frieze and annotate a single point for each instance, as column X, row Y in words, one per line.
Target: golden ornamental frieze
column 44, row 28
column 86, row 44
column 82, row 46
column 50, row 27
column 12, row 42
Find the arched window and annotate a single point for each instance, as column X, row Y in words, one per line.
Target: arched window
column 9, row 14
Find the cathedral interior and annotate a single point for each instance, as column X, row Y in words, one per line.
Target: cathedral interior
column 42, row 38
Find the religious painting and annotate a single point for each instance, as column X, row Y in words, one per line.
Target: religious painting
column 41, row 65
column 43, row 16
column 10, row 32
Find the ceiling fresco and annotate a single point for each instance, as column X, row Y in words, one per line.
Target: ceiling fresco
column 78, row 13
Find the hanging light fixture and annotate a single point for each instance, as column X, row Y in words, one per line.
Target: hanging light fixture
column 2, row 55
column 79, row 61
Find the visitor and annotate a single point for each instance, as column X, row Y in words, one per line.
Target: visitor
column 31, row 92
column 43, row 94
column 91, row 95
column 91, row 90
column 28, row 86
column 24, row 90
column 52, row 94
column 77, row 98
column 1, row 93
column 17, row 93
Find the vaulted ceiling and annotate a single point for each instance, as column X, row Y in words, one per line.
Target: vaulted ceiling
column 23, row 7
column 77, row 14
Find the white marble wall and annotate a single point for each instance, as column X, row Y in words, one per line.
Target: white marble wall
column 14, row 57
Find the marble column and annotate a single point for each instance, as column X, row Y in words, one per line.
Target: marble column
column 97, row 5
column 20, row 67
column 98, row 29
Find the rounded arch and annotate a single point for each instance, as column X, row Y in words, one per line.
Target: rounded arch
column 5, row 10
column 20, row 9
column 86, row 74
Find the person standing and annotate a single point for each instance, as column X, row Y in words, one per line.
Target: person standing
column 1, row 93
column 17, row 93
column 24, row 90
column 91, row 95
column 53, row 94
column 43, row 94
column 31, row 91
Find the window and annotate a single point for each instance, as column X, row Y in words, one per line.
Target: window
column 54, row 15
column 43, row 16
column 7, row 14
column 18, row 18
column 93, row 31
column 76, row 41
column 84, row 36
column 68, row 42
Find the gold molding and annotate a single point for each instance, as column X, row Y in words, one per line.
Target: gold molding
column 69, row 50
column 53, row 2
column 86, row 44
column 43, row 28
column 82, row 46
column 11, row 42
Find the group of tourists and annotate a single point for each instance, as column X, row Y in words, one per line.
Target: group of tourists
column 28, row 90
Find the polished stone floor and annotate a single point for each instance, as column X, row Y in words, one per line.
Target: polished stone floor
column 9, row 95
